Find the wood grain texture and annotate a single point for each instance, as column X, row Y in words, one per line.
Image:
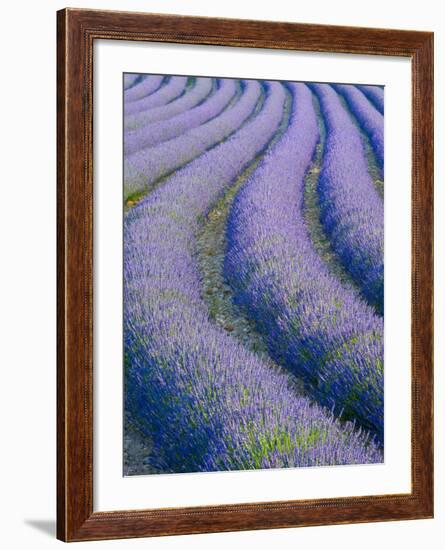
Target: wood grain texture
column 76, row 32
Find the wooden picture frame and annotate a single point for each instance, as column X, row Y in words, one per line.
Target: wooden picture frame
column 76, row 32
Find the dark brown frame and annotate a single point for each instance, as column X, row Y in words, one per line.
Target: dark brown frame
column 76, row 32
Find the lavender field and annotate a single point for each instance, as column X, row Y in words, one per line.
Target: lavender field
column 253, row 274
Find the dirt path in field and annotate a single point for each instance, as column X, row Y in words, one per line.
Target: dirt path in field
column 210, row 251
column 137, row 451
column 311, row 211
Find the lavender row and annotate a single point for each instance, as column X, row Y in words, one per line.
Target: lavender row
column 168, row 92
column 165, row 130
column 145, row 87
column 143, row 168
column 351, row 209
column 193, row 96
column 312, row 325
column 129, row 80
column 368, row 117
column 206, row 402
column 375, row 94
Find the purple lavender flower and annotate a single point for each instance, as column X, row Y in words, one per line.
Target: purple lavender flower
column 369, row 118
column 129, row 80
column 351, row 209
column 207, row 402
column 171, row 90
column 164, row 130
column 145, row 167
column 148, row 85
column 314, row 326
column 375, row 94
column 193, row 96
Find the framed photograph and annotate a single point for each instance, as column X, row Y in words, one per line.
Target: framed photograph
column 245, row 275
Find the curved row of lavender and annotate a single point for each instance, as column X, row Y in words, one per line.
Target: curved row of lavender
column 174, row 88
column 164, row 130
column 148, row 85
column 194, row 95
column 369, row 118
column 130, row 79
column 205, row 401
column 351, row 209
column 375, row 94
column 145, row 167
column 312, row 325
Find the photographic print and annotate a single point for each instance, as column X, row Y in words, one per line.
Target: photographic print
column 223, row 362
column 253, row 274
